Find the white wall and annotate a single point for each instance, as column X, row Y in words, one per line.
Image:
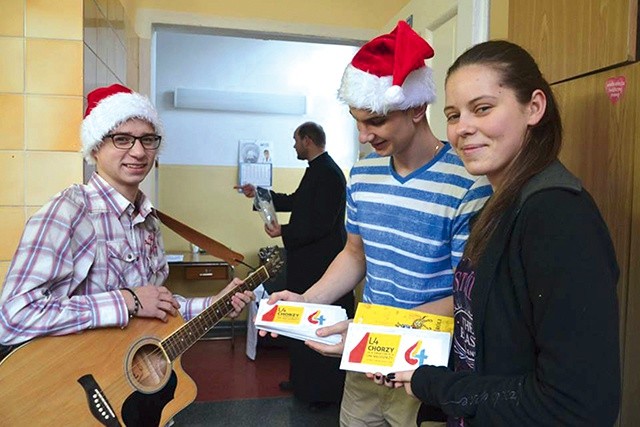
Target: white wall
column 198, row 137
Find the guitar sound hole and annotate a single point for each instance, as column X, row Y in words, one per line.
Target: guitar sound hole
column 149, row 370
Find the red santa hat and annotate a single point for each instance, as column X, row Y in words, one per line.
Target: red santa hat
column 109, row 107
column 389, row 73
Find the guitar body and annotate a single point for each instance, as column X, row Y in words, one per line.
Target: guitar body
column 112, row 377
column 108, row 376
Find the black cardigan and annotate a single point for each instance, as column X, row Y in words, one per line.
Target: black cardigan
column 545, row 318
column 315, row 233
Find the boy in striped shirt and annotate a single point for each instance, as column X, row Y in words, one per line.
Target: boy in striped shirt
column 408, row 209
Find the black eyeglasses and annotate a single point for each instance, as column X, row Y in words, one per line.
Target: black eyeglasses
column 124, row 141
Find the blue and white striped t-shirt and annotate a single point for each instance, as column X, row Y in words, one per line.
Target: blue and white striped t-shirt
column 413, row 228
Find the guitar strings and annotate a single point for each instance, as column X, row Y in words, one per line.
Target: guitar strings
column 170, row 348
column 169, row 345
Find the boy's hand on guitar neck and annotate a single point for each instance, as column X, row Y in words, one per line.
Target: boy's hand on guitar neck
column 238, row 300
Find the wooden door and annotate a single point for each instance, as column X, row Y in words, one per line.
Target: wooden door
column 601, row 147
column 574, row 37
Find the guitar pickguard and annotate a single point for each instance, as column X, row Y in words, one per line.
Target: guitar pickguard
column 144, row 410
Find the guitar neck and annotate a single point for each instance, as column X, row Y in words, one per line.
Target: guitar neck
column 182, row 339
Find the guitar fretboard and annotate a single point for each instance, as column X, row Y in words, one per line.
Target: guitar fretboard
column 182, row 339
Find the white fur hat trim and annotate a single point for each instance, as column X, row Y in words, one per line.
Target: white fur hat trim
column 366, row 91
column 109, row 113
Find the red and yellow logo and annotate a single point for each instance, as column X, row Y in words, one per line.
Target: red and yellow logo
column 376, row 349
column 284, row 314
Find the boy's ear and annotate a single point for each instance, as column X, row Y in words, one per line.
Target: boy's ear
column 418, row 113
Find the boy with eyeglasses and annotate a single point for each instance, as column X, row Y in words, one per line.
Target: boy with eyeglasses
column 93, row 256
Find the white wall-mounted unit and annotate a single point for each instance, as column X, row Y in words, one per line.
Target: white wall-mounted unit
column 247, row 102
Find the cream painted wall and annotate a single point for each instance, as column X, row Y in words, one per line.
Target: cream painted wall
column 209, row 204
column 355, row 14
column 423, row 12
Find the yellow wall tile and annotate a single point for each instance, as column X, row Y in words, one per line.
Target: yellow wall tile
column 11, row 64
column 60, row 19
column 12, row 178
column 11, row 121
column 4, row 267
column 54, row 67
column 11, row 225
column 47, row 173
column 53, row 123
column 12, row 18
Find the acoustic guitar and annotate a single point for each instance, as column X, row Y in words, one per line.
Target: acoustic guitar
column 111, row 376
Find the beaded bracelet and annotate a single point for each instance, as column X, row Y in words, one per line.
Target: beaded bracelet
column 137, row 305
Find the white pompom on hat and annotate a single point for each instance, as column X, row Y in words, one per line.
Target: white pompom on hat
column 107, row 108
column 389, row 73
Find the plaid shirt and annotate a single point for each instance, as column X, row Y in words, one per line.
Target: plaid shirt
column 74, row 255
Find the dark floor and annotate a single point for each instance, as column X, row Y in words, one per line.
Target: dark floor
column 223, row 372
column 272, row 412
column 236, row 391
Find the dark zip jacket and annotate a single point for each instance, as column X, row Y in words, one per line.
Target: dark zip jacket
column 545, row 318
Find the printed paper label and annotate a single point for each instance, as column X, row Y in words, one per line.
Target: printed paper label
column 284, row 314
column 371, row 348
column 299, row 320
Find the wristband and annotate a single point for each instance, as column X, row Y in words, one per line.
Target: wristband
column 137, row 305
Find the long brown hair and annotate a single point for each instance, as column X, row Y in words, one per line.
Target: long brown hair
column 518, row 71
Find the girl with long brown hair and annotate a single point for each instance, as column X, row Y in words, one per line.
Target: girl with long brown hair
column 536, row 316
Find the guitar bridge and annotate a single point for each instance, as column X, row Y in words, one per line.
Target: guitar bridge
column 98, row 403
